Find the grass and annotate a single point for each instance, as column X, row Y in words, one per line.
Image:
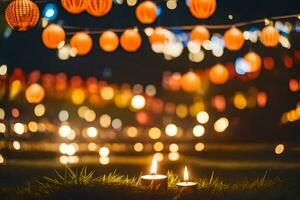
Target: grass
column 84, row 184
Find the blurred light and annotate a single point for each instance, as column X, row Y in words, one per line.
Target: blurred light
column 239, row 101
column 158, row 10
column 182, row 111
column 92, row 132
column 81, row 111
column 50, row 11
column 71, row 135
column 137, row 89
column 2, row 114
column 173, row 147
column 63, row 160
column 33, row 126
column 196, row 57
column 116, row 124
column 154, row 133
column 173, row 156
column 105, row 120
column 138, row 147
column 199, row 146
column 218, row 52
column 241, row 66
column 193, row 47
column 78, row 96
column 2, row 128
column 149, row 31
column 202, row 117
column 104, row 160
column 104, row 151
column 221, row 124
column 3, row 70
column 71, row 149
column 92, row 146
column 138, row 102
column 63, row 115
column 158, row 146
column 39, row 110
column 171, row 130
column 64, row 130
column 19, row 128
column 284, row 41
column 1, row 159
column 90, row 115
column 107, row 93
column 7, row 32
column 172, row 4
column 230, row 17
column 131, row 2
column 15, row 112
column 279, row 149
column 150, row 90
column 63, row 53
column 16, row 145
column 198, row 130
column 207, row 45
column 246, row 35
column 132, row 131
column 45, row 22
column 159, row 156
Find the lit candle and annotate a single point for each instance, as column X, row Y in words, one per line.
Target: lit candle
column 186, row 185
column 155, row 181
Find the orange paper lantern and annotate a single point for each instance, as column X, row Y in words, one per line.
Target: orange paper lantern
column 202, row 9
column 82, row 42
column 22, row 15
column 108, row 41
column 254, row 61
column 52, row 36
column 99, row 8
column 75, row 6
column 158, row 36
column 35, row 93
column 218, row 74
column 269, row 36
column 131, row 40
column 199, row 34
column 234, row 39
column 146, row 12
column 190, row 82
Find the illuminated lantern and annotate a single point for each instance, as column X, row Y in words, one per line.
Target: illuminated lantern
column 199, row 34
column 99, row 8
column 22, row 15
column 190, row 82
column 52, row 36
column 82, row 42
column 254, row 61
column 131, row 40
column 158, row 36
column 218, row 74
column 146, row 12
column 35, row 93
column 108, row 41
column 269, row 36
column 75, row 6
column 202, row 9
column 234, row 39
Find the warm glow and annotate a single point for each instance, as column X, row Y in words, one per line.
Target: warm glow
column 199, row 146
column 19, row 128
column 202, row 117
column 154, row 165
column 132, row 131
column 64, row 130
column 105, row 120
column 279, row 149
column 39, row 110
column 240, row 101
column 221, row 124
column 173, row 147
column 185, row 175
column 158, row 146
column 92, row 132
column 138, row 102
column 171, row 130
column 198, row 130
column 78, row 96
column 138, row 147
column 107, row 93
column 104, row 152
column 154, row 133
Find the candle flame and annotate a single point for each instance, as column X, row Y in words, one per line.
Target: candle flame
column 185, row 174
column 154, row 165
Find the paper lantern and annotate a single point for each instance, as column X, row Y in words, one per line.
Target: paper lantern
column 254, row 61
column 218, row 74
column 146, row 12
column 199, row 34
column 202, row 9
column 108, row 41
column 82, row 42
column 131, row 40
column 234, row 39
column 22, row 15
column 35, row 93
column 52, row 36
column 269, row 36
column 99, row 8
column 75, row 6
column 190, row 82
column 158, row 36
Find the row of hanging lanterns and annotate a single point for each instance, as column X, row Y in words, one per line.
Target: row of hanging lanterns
column 95, row 8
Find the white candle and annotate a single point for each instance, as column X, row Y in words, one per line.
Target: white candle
column 186, row 185
column 155, row 181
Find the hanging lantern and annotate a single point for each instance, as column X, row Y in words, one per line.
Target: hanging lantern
column 269, row 36
column 35, row 93
column 218, row 74
column 202, row 9
column 75, row 6
column 131, row 40
column 146, row 12
column 108, row 41
column 99, row 8
column 52, row 36
column 254, row 61
column 199, row 34
column 158, row 36
column 190, row 82
column 22, row 15
column 234, row 39
column 82, row 42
